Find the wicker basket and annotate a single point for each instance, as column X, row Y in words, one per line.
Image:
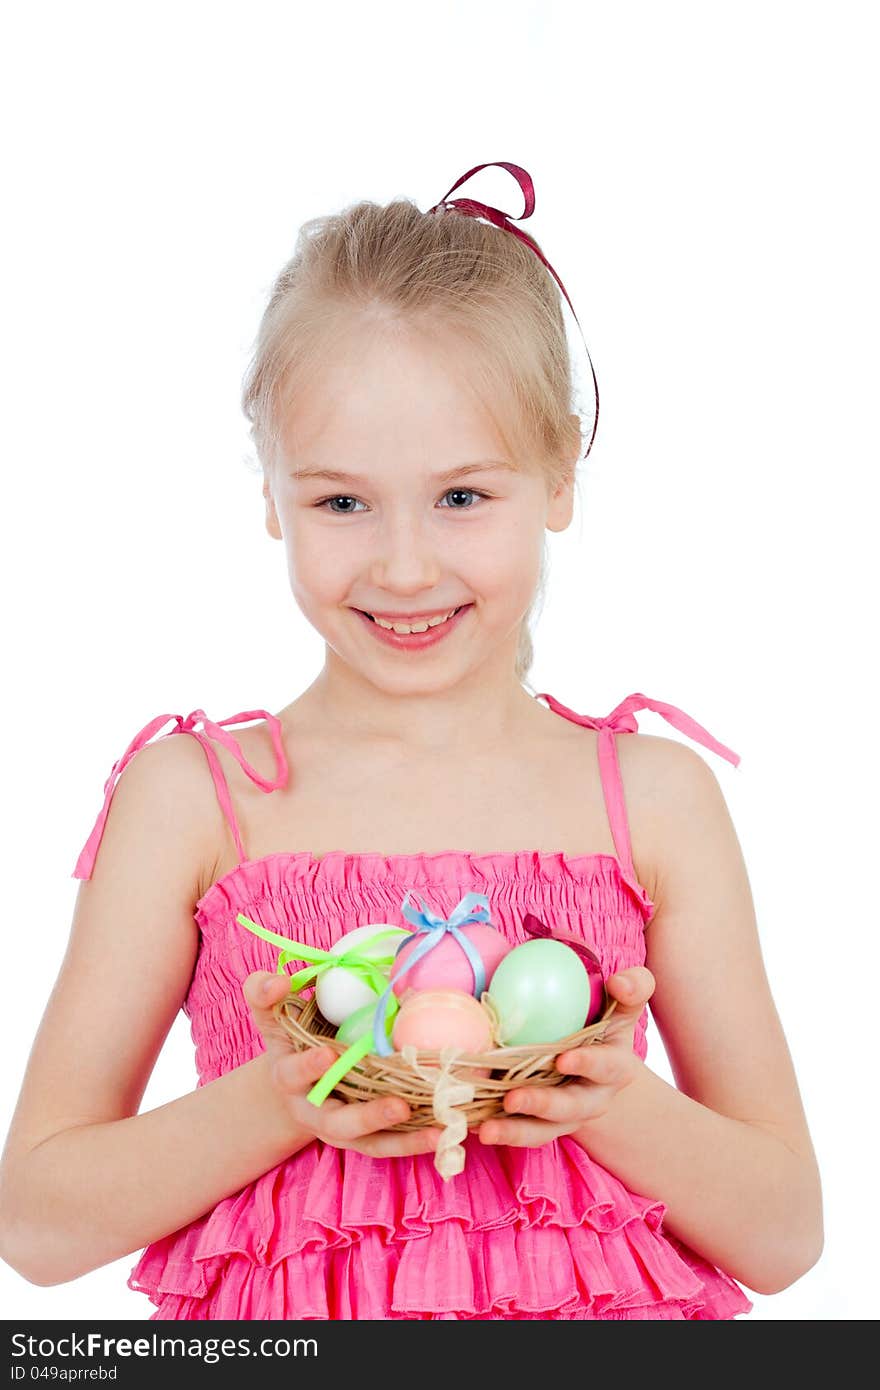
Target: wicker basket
column 374, row 1076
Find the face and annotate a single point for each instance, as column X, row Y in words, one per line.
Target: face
column 420, row 517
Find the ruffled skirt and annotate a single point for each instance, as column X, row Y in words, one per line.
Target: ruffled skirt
column 543, row 1233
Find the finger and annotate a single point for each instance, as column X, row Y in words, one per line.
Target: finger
column 360, row 1118
column 263, row 989
column 519, row 1133
column 402, row 1143
column 559, row 1105
column 297, row 1070
column 606, row 1065
column 632, row 989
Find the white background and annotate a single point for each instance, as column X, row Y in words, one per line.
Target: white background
column 705, row 186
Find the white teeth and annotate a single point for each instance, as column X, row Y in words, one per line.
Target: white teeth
column 413, row 627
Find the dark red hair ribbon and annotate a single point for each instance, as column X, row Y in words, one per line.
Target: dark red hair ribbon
column 471, row 208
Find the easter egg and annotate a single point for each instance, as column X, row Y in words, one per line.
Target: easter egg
column 432, row 1019
column 446, row 966
column 360, row 1022
column 593, row 967
column 339, row 991
column 541, row 991
column 592, row 964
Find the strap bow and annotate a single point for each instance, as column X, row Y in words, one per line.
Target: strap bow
column 210, row 730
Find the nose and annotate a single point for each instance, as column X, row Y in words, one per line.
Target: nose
column 404, row 561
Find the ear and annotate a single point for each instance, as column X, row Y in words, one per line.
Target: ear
column 272, row 524
column 560, row 503
column 560, row 509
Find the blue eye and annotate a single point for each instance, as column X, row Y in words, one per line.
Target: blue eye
column 349, row 511
column 341, row 497
column 458, row 491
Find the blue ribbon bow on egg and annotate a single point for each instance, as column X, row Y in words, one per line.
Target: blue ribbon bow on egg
column 473, row 907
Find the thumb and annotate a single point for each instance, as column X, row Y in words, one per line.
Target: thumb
column 297, row 1072
column 263, row 990
column 632, row 989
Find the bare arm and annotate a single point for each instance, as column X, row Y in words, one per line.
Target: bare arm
column 96, row 1192
column 729, row 1151
column 85, row 1179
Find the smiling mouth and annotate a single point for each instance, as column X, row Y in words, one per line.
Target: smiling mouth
column 389, row 626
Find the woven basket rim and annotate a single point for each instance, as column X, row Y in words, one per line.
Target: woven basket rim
column 292, row 1008
column 498, row 1070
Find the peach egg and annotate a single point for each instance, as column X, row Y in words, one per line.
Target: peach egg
column 431, row 1019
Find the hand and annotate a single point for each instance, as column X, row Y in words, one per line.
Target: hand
column 361, row 1124
column 607, row 1067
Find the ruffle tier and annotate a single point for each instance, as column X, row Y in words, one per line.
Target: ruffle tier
column 543, row 1233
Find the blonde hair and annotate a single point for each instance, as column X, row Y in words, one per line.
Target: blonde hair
column 464, row 282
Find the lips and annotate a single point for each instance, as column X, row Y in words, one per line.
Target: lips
column 416, row 641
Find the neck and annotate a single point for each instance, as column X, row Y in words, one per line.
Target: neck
column 487, row 708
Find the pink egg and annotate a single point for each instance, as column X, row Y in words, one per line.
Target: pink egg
column 446, row 966
column 432, row 1019
column 597, row 992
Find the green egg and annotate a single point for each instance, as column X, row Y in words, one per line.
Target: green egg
column 361, row 1021
column 541, row 991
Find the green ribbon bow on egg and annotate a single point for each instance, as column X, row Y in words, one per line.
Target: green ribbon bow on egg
column 366, row 968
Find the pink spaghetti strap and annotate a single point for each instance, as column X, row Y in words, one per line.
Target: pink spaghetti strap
column 86, row 861
column 622, row 719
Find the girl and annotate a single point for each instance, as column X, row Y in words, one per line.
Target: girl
column 410, row 366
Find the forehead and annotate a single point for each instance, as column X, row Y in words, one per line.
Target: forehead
column 376, row 392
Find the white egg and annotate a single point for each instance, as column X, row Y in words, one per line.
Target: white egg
column 339, row 992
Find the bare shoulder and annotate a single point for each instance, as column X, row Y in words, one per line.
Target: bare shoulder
column 669, row 789
column 168, row 783
column 660, row 765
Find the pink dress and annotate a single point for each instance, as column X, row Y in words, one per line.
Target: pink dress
column 521, row 1233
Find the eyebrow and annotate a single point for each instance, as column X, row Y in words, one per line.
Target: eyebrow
column 333, row 475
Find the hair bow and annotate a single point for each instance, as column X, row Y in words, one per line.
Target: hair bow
column 471, row 208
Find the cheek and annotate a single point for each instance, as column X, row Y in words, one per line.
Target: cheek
column 321, row 564
column 507, row 565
